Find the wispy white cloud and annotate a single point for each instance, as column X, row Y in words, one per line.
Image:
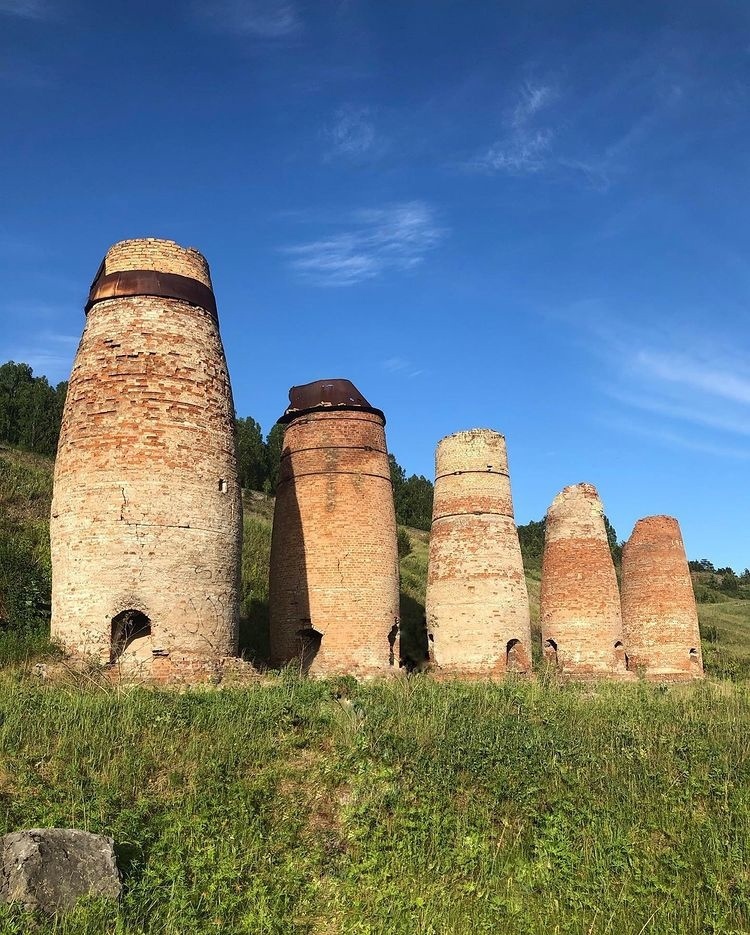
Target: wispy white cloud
column 376, row 241
column 521, row 154
column 401, row 366
column 263, row 19
column 711, row 419
column 525, row 146
column 672, row 439
column 532, row 99
column 724, row 377
column 674, row 383
column 351, row 133
column 538, row 137
column 26, row 9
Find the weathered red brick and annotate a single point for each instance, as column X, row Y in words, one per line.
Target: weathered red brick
column 580, row 601
column 659, row 615
column 334, row 561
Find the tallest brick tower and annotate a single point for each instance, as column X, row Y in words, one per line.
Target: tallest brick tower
column 146, row 515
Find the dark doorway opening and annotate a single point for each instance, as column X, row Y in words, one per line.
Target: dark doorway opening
column 515, row 657
column 550, row 651
column 309, row 646
column 392, row 635
column 694, row 655
column 128, row 627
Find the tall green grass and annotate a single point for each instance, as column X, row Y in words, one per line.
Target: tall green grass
column 404, row 807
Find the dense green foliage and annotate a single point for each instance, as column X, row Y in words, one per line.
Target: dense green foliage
column 25, row 571
column 258, row 459
column 331, row 808
column 531, row 538
column 412, row 496
column 30, row 409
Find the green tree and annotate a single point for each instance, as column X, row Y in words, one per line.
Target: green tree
column 531, row 538
column 615, row 546
column 251, row 454
column 412, row 497
column 415, row 502
column 274, row 445
column 30, row 409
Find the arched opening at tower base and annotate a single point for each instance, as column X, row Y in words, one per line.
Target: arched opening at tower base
column 131, row 631
column 550, row 651
column 515, row 657
column 309, row 646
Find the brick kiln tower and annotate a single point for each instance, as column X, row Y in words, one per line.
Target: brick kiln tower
column 580, row 601
column 146, row 517
column 477, row 604
column 659, row 616
column 334, row 559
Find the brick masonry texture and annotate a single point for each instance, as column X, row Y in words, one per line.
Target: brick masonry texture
column 477, row 604
column 660, row 619
column 580, row 601
column 146, row 514
column 334, row 559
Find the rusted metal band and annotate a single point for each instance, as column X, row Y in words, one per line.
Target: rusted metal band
column 289, row 417
column 132, row 282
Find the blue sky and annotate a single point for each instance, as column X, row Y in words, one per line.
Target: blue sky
column 534, row 221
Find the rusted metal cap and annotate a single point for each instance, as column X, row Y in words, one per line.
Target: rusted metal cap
column 324, row 395
column 132, row 282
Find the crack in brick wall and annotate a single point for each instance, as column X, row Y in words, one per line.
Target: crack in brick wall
column 139, row 519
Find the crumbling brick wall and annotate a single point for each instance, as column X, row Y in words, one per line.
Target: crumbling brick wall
column 146, row 516
column 334, row 589
column 477, row 604
column 659, row 615
column 580, row 601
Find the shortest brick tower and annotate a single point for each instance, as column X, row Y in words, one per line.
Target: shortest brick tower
column 580, row 601
column 659, row 616
column 477, row 604
column 334, row 591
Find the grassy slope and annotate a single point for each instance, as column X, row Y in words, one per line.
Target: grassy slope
column 407, row 807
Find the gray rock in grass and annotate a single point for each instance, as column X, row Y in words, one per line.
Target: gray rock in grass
column 51, row 868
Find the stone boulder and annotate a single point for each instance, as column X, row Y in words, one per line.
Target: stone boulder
column 49, row 869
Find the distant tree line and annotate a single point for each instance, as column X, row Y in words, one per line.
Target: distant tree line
column 258, row 458
column 713, row 584
column 412, row 496
column 30, row 409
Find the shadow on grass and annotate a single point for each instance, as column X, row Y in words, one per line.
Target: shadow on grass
column 414, row 647
column 254, row 641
